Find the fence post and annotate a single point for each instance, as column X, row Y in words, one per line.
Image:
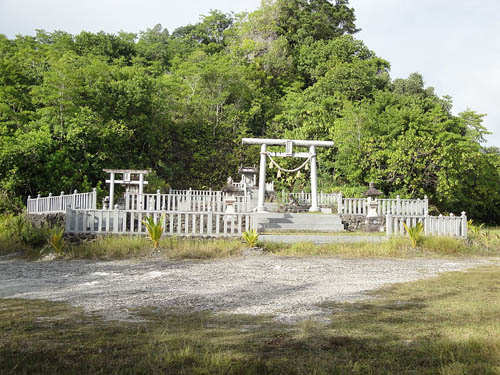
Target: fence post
column 116, row 214
column 158, row 198
column 62, row 206
column 49, row 202
column 73, row 204
column 38, row 203
column 339, row 203
column 398, row 205
column 427, row 224
column 28, row 204
column 67, row 220
column 464, row 224
column 94, row 199
column 388, row 224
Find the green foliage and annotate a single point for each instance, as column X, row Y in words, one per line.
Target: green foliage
column 56, row 240
column 415, row 233
column 180, row 102
column 23, row 232
column 154, row 228
column 474, row 230
column 251, row 237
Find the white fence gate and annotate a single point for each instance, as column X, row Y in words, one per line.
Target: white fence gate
column 59, row 203
column 455, row 226
column 398, row 206
column 214, row 202
column 192, row 224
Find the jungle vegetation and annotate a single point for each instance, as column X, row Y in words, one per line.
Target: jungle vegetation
column 180, row 101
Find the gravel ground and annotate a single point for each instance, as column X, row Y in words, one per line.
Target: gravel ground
column 288, row 288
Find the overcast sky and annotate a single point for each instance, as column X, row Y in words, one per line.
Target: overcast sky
column 453, row 43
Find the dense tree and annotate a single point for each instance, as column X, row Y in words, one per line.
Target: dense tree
column 180, row 102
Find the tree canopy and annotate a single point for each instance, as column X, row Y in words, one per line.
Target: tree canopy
column 179, row 102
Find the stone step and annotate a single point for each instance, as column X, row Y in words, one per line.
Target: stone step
column 296, row 222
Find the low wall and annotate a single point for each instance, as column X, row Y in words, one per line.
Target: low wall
column 51, row 220
column 357, row 222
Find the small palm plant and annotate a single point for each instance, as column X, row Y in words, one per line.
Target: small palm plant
column 56, row 240
column 251, row 237
column 415, row 233
column 475, row 230
column 155, row 230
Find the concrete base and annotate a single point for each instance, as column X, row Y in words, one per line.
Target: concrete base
column 374, row 224
column 274, row 221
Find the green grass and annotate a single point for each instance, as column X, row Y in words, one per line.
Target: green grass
column 121, row 247
column 445, row 325
column 395, row 247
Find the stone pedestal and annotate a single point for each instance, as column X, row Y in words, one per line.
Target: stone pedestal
column 374, row 224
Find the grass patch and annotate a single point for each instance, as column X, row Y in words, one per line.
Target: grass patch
column 395, row 247
column 337, row 234
column 444, row 325
column 121, row 247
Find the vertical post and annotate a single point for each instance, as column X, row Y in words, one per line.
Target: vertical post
column 73, row 205
column 127, row 199
column 38, row 203
column 140, row 198
column 339, row 203
column 112, row 190
column 158, row 199
column 388, row 225
column 94, row 199
column 262, row 179
column 49, row 200
column 314, row 181
column 464, row 224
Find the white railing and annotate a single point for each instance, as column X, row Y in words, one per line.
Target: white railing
column 185, row 203
column 59, row 203
column 398, row 206
column 352, row 206
column 433, row 225
column 324, row 199
column 192, row 224
column 193, row 193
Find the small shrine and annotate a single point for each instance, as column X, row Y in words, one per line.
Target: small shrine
column 132, row 180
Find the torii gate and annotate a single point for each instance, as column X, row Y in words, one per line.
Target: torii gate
column 311, row 155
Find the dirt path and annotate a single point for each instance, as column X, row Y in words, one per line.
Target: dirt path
column 289, row 288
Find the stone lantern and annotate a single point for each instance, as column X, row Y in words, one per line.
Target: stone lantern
column 230, row 198
column 373, row 221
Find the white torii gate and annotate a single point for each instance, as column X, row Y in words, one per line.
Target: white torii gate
column 289, row 152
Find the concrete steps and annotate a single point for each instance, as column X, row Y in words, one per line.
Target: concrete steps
column 274, row 221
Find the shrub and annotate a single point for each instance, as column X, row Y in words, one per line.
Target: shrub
column 251, row 237
column 155, row 230
column 415, row 233
column 56, row 240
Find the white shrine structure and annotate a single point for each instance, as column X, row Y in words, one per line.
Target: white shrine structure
column 289, row 152
column 234, row 210
column 132, row 179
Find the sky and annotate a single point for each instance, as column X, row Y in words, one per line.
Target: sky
column 452, row 43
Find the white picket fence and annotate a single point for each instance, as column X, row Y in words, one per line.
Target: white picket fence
column 214, row 202
column 455, row 226
column 59, row 203
column 303, row 198
column 398, row 206
column 187, row 224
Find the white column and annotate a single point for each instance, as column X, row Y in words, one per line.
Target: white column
column 111, row 190
column 262, row 179
column 140, row 198
column 314, row 181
